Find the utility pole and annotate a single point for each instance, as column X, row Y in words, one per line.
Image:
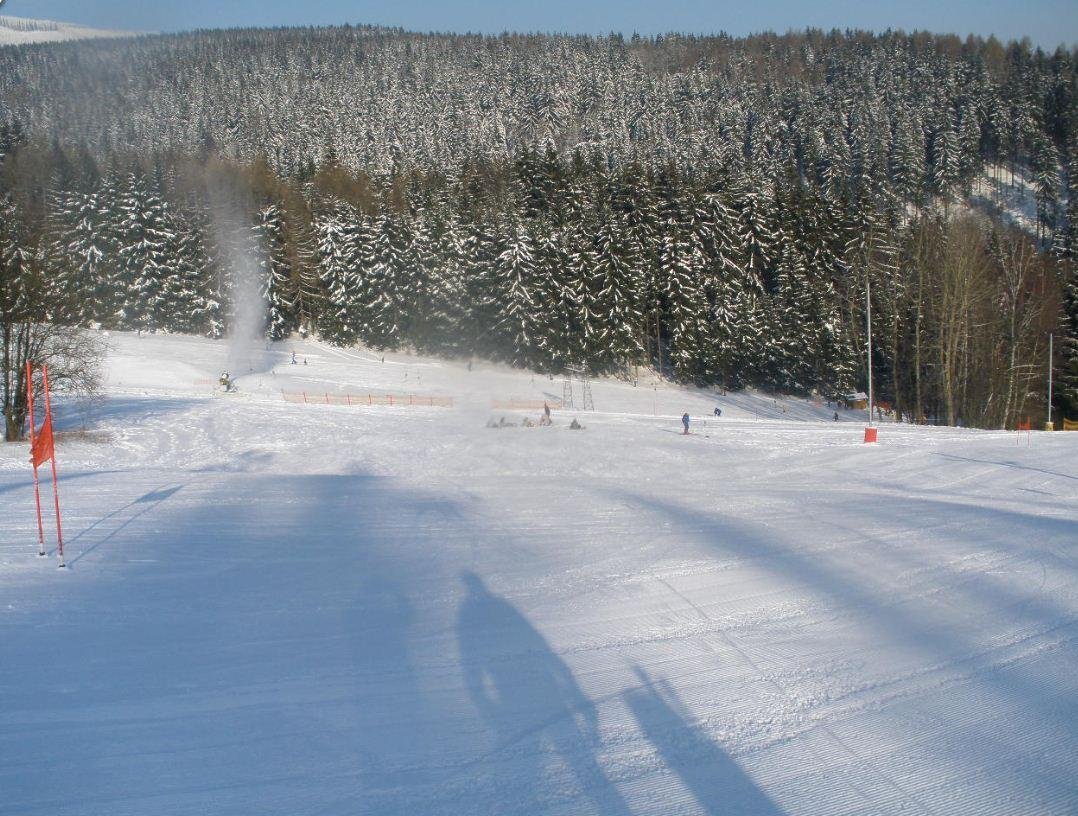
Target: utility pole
column 868, row 311
column 1048, row 427
column 658, row 340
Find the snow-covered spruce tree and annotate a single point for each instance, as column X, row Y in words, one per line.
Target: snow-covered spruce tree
column 908, row 158
column 795, row 348
column 443, row 304
column 338, row 244
column 617, row 282
column 386, row 278
column 516, row 277
column 724, row 283
column 943, row 156
column 81, row 237
column 275, row 272
column 870, row 253
column 634, row 201
column 484, row 308
column 1045, row 162
column 583, row 283
column 147, row 246
column 192, row 307
column 680, row 272
column 557, row 292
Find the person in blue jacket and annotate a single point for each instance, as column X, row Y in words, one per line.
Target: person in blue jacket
column 685, row 422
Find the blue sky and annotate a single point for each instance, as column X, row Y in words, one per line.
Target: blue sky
column 1046, row 22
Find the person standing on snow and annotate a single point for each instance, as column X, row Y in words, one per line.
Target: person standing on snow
column 685, row 422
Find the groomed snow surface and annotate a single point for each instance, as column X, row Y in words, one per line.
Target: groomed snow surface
column 279, row 608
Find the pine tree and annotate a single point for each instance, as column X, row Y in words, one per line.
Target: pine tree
column 337, row 235
column 616, row 281
column 385, row 284
column 516, row 276
column 680, row 271
column 147, row 248
column 275, row 273
column 1068, row 379
column 81, row 250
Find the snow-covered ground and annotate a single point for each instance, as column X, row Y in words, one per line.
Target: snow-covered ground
column 279, row 608
column 22, row 30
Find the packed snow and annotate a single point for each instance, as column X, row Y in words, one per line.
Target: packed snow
column 23, row 30
column 284, row 606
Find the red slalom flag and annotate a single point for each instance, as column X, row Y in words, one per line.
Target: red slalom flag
column 42, row 450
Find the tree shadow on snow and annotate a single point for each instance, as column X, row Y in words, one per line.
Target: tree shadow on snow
column 908, row 626
column 530, row 702
column 713, row 778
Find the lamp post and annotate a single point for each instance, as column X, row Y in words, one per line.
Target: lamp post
column 868, row 313
column 1048, row 425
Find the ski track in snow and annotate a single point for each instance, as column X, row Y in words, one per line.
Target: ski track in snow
column 319, row 609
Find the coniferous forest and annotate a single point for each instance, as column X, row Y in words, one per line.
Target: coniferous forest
column 715, row 208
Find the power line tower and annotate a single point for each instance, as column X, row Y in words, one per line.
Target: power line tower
column 580, row 373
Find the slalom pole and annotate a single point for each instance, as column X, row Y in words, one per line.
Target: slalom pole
column 37, row 486
column 55, row 484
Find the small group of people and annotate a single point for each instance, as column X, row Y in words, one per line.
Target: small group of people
column 685, row 419
column 544, row 421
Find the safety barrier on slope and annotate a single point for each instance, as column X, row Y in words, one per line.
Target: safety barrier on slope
column 393, row 400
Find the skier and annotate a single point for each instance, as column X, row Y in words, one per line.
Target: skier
column 718, row 411
column 293, row 358
column 546, row 415
column 575, row 426
column 685, row 422
column 836, row 416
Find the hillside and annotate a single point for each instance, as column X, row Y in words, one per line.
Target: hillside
column 714, row 207
column 288, row 607
column 22, row 31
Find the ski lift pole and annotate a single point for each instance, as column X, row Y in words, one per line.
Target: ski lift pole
column 37, row 486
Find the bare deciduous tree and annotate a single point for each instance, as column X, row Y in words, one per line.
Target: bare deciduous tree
column 26, row 334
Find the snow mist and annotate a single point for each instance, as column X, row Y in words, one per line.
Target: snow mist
column 243, row 270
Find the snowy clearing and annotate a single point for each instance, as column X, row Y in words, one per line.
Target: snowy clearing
column 280, row 608
column 23, row 31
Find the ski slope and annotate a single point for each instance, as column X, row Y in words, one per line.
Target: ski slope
column 24, row 31
column 280, row 608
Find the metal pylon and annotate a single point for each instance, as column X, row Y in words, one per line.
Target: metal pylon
column 580, row 373
column 589, row 403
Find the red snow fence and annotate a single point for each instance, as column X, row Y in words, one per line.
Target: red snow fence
column 870, row 435
column 393, row 400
